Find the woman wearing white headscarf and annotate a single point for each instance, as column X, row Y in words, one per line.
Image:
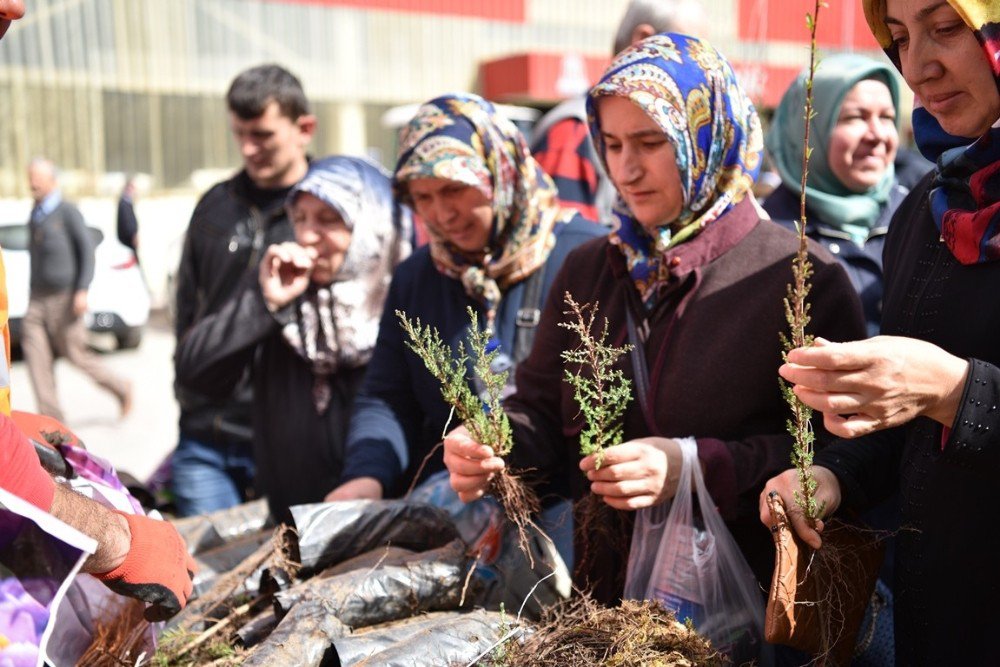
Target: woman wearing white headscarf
column 307, row 326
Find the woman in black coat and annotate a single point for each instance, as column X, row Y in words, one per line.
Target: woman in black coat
column 923, row 397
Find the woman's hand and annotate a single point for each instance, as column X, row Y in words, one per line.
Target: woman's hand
column 877, row 383
column 284, row 273
column 470, row 465
column 785, row 486
column 359, row 488
column 635, row 474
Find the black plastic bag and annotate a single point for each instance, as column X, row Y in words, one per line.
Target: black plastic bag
column 329, row 533
column 433, row 640
column 207, row 531
column 216, row 562
column 303, row 639
column 428, row 581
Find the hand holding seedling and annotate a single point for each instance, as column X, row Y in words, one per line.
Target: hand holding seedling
column 284, row 273
column 471, row 465
column 635, row 474
column 787, row 485
column 878, row 383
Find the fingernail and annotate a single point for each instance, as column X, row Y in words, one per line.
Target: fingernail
column 772, row 494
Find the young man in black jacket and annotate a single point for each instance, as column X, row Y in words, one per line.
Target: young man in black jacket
column 229, row 229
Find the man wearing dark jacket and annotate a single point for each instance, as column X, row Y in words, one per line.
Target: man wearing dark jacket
column 229, row 229
column 128, row 225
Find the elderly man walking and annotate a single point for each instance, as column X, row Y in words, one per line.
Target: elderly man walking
column 62, row 266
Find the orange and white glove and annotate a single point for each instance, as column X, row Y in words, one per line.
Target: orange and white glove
column 44, row 430
column 157, row 568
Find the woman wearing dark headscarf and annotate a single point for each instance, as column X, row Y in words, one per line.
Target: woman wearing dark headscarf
column 852, row 189
column 306, row 326
column 924, row 396
column 498, row 237
column 694, row 276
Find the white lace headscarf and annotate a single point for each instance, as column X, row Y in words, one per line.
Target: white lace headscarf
column 336, row 325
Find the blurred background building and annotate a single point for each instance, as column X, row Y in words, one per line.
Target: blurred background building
column 116, row 86
column 113, row 87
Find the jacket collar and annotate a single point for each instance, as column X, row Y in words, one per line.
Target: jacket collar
column 711, row 243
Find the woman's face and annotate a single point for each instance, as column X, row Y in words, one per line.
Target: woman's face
column 641, row 162
column 864, row 139
column 321, row 228
column 460, row 213
column 944, row 65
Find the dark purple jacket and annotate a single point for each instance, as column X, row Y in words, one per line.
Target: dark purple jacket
column 712, row 351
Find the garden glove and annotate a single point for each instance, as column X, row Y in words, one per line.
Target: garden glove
column 157, row 568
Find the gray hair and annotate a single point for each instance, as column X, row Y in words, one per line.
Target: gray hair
column 662, row 15
column 45, row 163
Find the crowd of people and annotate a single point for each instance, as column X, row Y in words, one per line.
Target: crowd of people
column 295, row 381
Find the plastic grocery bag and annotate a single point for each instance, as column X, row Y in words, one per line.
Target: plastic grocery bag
column 684, row 556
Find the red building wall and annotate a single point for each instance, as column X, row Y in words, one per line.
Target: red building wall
column 841, row 24
column 496, row 10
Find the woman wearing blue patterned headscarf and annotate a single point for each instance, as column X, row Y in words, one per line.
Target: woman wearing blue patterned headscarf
column 690, row 92
column 306, row 326
column 694, row 278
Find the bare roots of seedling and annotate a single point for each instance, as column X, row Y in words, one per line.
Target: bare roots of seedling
column 600, row 527
column 829, row 587
column 119, row 640
column 520, row 504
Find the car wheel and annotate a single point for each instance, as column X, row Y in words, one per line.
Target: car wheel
column 129, row 339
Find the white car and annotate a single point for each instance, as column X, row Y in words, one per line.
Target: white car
column 117, row 300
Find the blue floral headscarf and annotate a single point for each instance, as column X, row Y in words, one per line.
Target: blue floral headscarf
column 462, row 138
column 689, row 89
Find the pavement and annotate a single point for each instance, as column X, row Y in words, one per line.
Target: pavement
column 138, row 443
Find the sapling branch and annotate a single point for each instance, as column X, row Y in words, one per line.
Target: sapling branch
column 797, row 311
column 601, row 390
column 488, row 426
column 482, row 415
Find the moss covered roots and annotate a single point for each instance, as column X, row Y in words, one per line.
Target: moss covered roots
column 582, row 632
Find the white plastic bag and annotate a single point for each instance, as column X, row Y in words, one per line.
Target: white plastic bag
column 684, row 556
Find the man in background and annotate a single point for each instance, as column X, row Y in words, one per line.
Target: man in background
column 213, row 466
column 62, row 266
column 561, row 142
column 128, row 225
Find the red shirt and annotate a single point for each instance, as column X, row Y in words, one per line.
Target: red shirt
column 20, row 471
